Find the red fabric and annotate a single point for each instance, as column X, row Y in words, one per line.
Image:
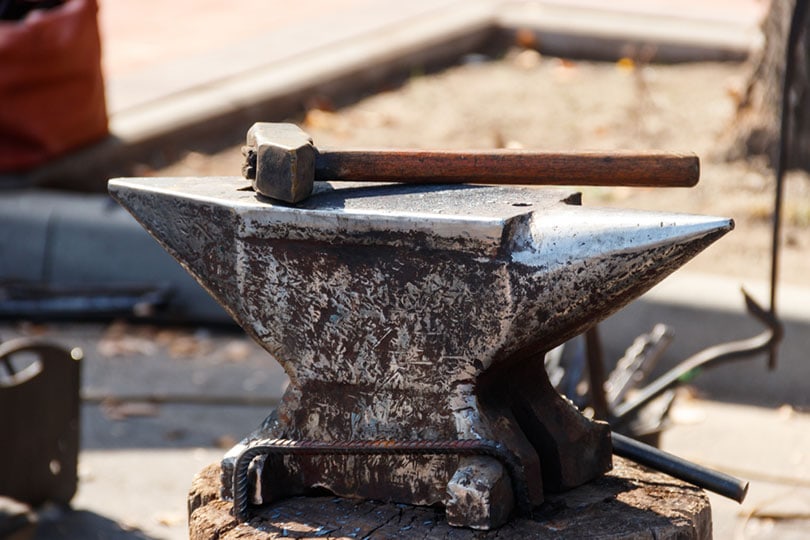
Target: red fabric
column 51, row 88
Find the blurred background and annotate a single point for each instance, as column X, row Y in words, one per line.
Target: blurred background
column 90, row 91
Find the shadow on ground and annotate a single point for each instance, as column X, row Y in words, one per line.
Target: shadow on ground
column 81, row 524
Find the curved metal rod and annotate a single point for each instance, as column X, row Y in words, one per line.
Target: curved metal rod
column 461, row 447
column 713, row 356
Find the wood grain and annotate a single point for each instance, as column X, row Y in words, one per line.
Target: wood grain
column 650, row 169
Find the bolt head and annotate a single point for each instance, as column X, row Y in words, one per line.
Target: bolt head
column 285, row 161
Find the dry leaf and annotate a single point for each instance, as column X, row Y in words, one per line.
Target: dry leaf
column 175, row 434
column 170, row 519
column 121, row 410
column 237, row 351
column 687, row 414
column 225, row 442
column 786, row 412
column 121, row 339
column 526, row 38
column 528, row 59
column 319, row 119
column 626, row 64
column 125, row 346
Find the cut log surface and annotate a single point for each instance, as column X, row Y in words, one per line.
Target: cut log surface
column 631, row 502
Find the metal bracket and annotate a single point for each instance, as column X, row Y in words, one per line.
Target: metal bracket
column 39, row 412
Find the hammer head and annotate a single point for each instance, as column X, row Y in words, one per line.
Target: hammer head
column 285, row 161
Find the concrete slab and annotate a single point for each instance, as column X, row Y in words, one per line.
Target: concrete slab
column 668, row 32
column 143, row 491
column 188, row 38
column 767, row 446
column 239, row 38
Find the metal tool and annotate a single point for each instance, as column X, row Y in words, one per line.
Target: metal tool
column 642, row 413
column 636, row 364
column 418, row 315
column 711, row 357
column 284, row 164
column 717, row 482
column 39, row 400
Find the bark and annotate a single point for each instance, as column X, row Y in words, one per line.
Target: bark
column 755, row 130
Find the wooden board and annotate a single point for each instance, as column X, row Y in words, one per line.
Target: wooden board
column 629, row 503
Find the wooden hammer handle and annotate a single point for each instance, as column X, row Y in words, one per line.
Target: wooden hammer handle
column 647, row 169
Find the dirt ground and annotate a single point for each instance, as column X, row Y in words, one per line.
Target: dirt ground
column 524, row 100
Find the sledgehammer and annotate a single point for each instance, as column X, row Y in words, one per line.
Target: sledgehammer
column 283, row 164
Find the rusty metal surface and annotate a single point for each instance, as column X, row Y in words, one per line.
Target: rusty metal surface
column 417, row 313
column 39, row 401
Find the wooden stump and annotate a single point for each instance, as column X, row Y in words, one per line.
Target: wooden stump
column 630, row 502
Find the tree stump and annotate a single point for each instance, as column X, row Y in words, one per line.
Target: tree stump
column 755, row 128
column 630, row 502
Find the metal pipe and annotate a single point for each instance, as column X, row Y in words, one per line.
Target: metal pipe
column 703, row 477
column 596, row 373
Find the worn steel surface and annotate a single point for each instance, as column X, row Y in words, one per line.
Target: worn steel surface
column 39, row 421
column 417, row 313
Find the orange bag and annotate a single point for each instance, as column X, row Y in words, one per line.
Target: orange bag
column 51, row 87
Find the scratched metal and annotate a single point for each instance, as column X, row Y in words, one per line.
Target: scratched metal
column 416, row 313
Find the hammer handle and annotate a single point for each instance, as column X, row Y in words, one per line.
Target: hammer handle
column 647, row 169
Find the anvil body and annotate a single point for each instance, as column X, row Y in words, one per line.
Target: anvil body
column 418, row 313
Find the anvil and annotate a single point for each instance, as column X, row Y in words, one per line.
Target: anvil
column 418, row 313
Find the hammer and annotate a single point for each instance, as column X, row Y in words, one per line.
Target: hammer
column 284, row 165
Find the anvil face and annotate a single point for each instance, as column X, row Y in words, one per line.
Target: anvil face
column 419, row 313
